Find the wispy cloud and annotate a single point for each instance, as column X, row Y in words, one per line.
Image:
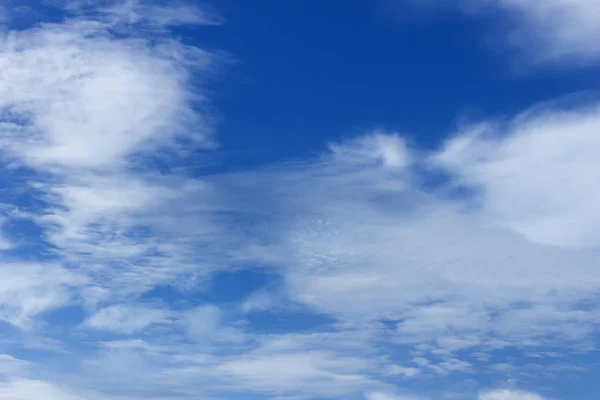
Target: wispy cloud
column 85, row 105
column 5, row 243
column 363, row 239
column 22, row 389
column 550, row 32
column 387, row 396
column 422, row 263
column 81, row 107
column 126, row 318
column 27, row 290
column 509, row 395
column 157, row 15
column 555, row 31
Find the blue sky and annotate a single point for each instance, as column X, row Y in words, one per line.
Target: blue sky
column 289, row 200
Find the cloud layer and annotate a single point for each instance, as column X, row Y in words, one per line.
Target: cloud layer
column 408, row 266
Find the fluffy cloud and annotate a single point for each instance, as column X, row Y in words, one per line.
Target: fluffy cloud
column 74, row 97
column 531, row 173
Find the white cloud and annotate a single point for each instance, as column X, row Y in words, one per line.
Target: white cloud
column 386, row 396
column 85, row 108
column 506, row 394
column 203, row 322
column 81, row 107
column 158, row 16
column 72, row 96
column 311, row 373
column 459, row 270
column 408, row 372
column 545, row 31
column 206, row 324
column 360, row 241
column 5, row 243
column 126, row 318
column 25, row 389
column 389, row 150
column 452, row 365
column 259, row 301
column 535, row 175
column 430, row 321
column 272, row 365
column 555, row 30
column 28, row 290
column 354, row 234
column 94, row 215
column 10, row 366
